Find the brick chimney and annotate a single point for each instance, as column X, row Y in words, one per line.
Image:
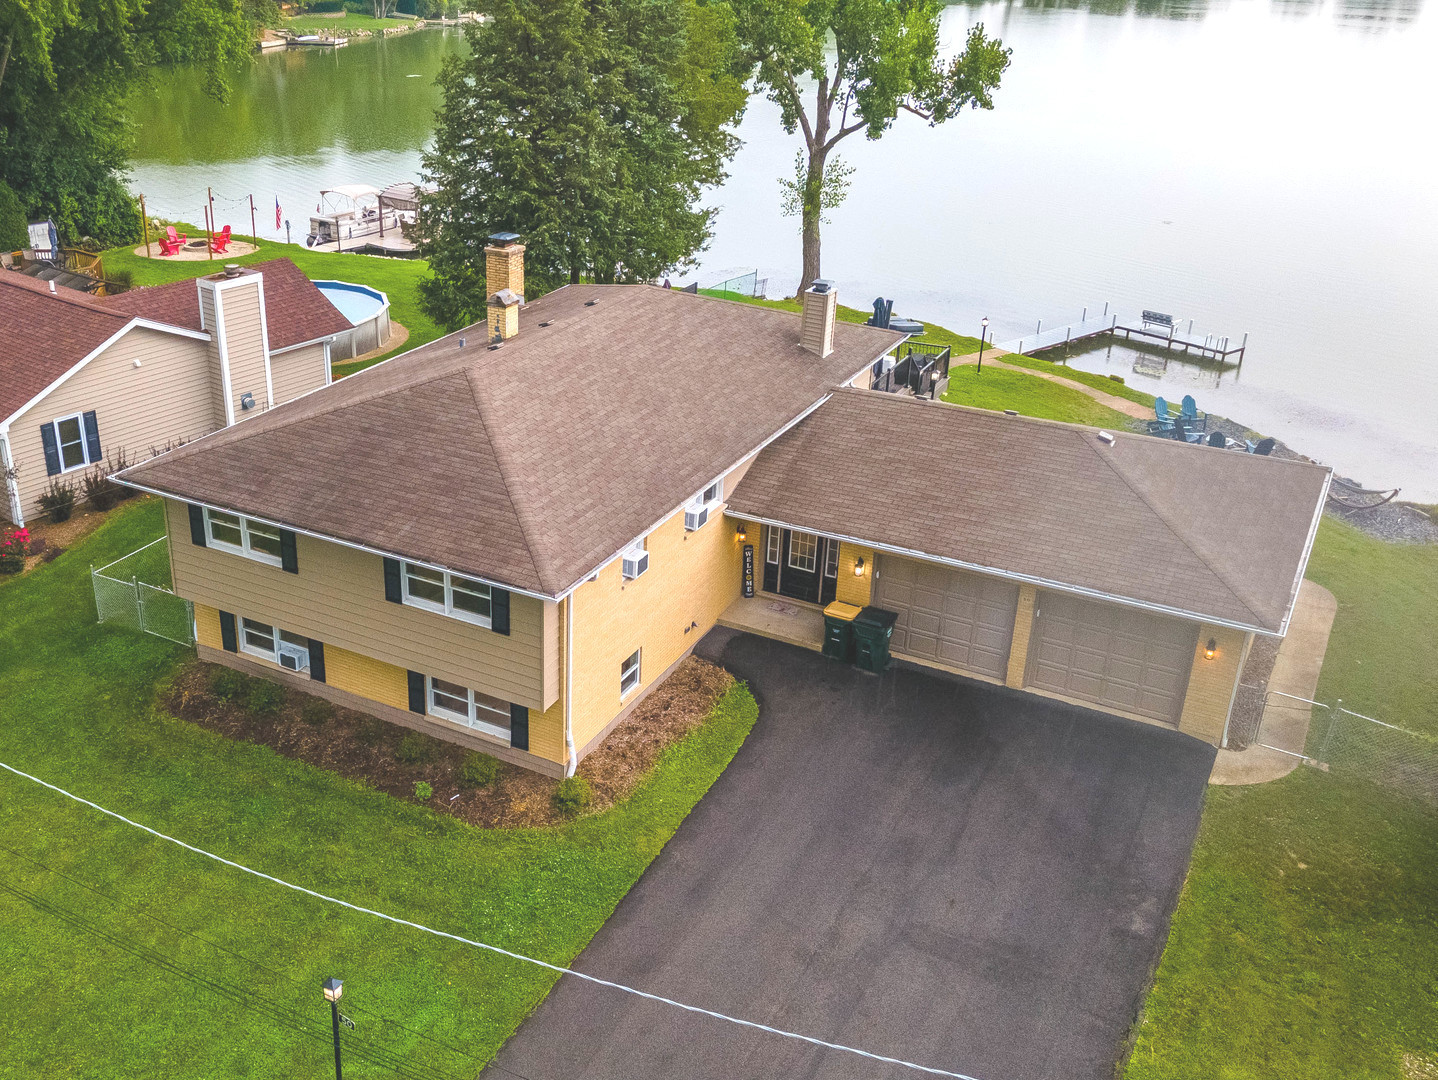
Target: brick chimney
column 504, row 264
column 503, row 318
column 820, row 304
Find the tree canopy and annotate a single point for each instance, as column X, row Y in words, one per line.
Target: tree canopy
column 66, row 71
column 590, row 127
column 839, row 67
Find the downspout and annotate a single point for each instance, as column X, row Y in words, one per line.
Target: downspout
column 570, row 764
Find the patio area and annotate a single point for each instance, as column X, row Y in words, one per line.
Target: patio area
column 782, row 620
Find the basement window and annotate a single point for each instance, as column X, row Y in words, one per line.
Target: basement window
column 290, row 651
column 450, row 701
column 243, row 536
column 629, row 674
column 449, row 594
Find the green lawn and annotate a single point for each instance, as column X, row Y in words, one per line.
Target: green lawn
column 125, row 956
column 1088, row 378
column 996, row 388
column 933, row 333
column 1306, row 939
column 341, row 21
column 398, row 278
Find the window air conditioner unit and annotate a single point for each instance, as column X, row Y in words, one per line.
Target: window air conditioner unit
column 695, row 517
column 293, row 659
column 635, row 563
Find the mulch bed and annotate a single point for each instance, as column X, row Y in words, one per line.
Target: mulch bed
column 364, row 748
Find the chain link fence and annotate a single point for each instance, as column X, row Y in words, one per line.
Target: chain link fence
column 135, row 591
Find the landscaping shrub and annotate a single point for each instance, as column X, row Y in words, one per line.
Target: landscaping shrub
column 479, row 770
column 413, row 748
column 123, row 279
column 1118, row 379
column 316, row 712
column 369, row 731
column 102, row 492
column 422, row 791
column 573, row 795
column 14, row 225
column 266, row 697
column 58, row 500
column 118, row 462
column 13, row 546
column 227, row 684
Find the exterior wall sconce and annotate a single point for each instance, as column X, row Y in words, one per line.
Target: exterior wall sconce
column 859, row 566
column 1210, row 649
column 742, row 532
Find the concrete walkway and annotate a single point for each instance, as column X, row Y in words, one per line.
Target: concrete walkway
column 1295, row 671
column 1113, row 401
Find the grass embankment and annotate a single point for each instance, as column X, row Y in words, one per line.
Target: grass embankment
column 1306, row 939
column 340, row 21
column 129, row 957
column 1088, row 378
column 1028, row 395
column 398, row 278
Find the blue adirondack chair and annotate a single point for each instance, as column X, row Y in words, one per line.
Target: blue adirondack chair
column 1164, row 422
column 1263, row 447
column 1193, row 419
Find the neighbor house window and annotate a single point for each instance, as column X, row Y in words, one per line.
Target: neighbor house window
column 803, row 551
column 244, row 535
column 450, row 701
column 290, row 651
column 449, row 594
column 70, row 442
column 629, row 673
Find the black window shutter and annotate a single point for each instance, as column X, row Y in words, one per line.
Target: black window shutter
column 519, row 727
column 391, row 582
column 317, row 660
column 289, row 560
column 416, row 692
column 52, row 449
column 92, row 437
column 499, row 610
column 228, row 638
column 197, row 525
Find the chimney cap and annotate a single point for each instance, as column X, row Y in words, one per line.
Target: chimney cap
column 503, row 239
column 820, row 286
column 232, row 269
column 505, row 297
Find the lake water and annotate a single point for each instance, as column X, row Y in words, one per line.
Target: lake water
column 1259, row 166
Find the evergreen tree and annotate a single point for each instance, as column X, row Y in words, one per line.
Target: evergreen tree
column 590, row 127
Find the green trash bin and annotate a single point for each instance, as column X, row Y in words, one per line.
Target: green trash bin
column 873, row 627
column 839, row 631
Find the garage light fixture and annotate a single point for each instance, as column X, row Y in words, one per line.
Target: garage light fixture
column 1210, row 649
column 859, row 566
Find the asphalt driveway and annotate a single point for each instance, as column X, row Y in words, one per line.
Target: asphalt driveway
column 942, row 871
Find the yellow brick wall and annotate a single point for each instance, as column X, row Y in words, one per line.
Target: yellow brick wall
column 855, row 588
column 1211, row 682
column 1023, row 628
column 692, row 578
column 207, row 626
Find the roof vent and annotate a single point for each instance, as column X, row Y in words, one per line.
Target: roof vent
column 1011, row 412
column 590, row 303
column 546, row 322
column 52, row 286
column 461, row 343
column 1105, row 437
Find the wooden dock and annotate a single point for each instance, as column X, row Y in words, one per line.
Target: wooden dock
column 1155, row 327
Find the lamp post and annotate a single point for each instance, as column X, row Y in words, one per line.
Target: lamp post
column 333, row 989
column 983, row 333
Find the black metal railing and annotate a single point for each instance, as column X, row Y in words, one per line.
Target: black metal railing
column 917, row 367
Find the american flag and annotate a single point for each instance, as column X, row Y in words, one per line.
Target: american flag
column 277, row 213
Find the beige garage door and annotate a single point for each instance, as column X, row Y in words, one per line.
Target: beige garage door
column 950, row 617
column 1114, row 656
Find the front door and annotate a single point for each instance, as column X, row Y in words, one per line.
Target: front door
column 799, row 565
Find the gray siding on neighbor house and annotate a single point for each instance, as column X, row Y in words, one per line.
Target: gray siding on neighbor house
column 298, row 372
column 167, row 399
column 338, row 597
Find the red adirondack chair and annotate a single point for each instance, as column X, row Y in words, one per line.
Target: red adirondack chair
column 172, row 241
column 220, row 241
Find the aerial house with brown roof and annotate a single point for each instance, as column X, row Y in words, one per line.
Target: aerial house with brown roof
column 508, row 536
column 84, row 379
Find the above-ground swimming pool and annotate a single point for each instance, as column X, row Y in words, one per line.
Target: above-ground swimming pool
column 368, row 312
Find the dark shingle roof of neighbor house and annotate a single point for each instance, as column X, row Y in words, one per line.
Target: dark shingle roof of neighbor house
column 1195, row 529
column 533, row 463
column 44, row 334
column 295, row 309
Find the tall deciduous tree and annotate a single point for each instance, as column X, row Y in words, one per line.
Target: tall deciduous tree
column 839, row 67
column 588, row 126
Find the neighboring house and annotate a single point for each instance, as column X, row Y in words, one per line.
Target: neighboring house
column 84, row 379
column 506, row 537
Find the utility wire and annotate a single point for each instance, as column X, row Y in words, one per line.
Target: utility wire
column 556, row 968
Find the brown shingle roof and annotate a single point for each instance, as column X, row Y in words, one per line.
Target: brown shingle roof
column 533, row 463
column 1195, row 529
column 295, row 309
column 44, row 335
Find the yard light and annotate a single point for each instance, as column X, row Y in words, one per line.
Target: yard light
column 333, row 988
column 1210, row 649
column 859, row 566
column 983, row 333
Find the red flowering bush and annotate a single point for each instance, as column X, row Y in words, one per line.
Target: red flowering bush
column 13, row 546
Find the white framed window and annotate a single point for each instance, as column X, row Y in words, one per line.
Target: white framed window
column 70, row 442
column 290, row 651
column 448, row 594
column 803, row 551
column 831, row 559
column 772, row 546
column 634, row 561
column 244, row 536
column 450, row 701
column 698, row 510
column 629, row 673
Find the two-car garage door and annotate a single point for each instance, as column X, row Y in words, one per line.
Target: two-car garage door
column 1117, row 657
column 948, row 617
